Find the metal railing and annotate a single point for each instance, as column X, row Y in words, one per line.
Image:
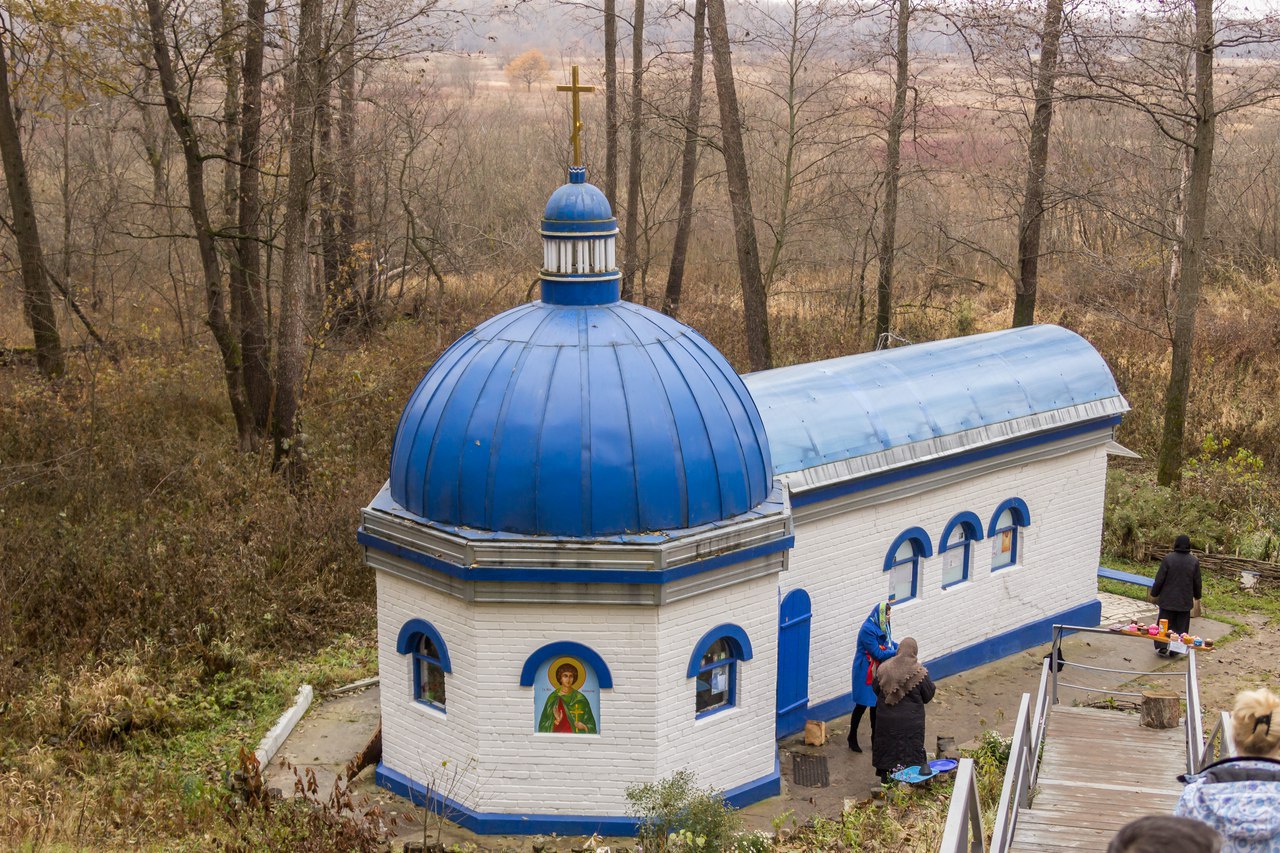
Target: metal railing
column 963, row 832
column 1219, row 744
column 1031, row 726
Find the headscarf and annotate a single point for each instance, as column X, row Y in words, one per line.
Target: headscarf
column 880, row 615
column 900, row 673
column 1182, row 544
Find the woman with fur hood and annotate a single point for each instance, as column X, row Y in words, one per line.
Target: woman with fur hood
column 1240, row 797
column 902, row 688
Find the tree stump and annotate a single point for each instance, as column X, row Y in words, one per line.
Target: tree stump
column 1160, row 709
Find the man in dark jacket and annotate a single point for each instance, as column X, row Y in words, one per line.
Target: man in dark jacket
column 1177, row 588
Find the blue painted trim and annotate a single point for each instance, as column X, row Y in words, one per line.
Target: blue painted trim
column 550, row 575
column 588, row 655
column 569, row 228
column 969, row 521
column 924, row 547
column 897, row 475
column 494, row 823
column 406, row 642
column 1010, row 642
column 1021, row 515
column 739, row 643
column 595, row 291
column 1126, row 577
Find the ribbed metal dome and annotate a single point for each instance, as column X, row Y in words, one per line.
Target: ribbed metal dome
column 578, row 208
column 580, row 421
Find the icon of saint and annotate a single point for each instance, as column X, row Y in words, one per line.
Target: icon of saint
column 566, row 709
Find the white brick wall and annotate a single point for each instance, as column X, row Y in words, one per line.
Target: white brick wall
column 839, row 561
column 646, row 720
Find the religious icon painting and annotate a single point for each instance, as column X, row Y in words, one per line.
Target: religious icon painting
column 566, row 697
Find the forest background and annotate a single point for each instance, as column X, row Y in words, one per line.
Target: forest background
column 238, row 234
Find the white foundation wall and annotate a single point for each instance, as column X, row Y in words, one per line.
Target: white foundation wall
column 839, row 560
column 734, row 746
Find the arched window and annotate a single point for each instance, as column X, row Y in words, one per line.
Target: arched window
column 956, row 547
column 714, row 663
column 430, row 661
column 1005, row 531
column 902, row 562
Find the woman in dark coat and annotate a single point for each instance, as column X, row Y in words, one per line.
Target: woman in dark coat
column 902, row 688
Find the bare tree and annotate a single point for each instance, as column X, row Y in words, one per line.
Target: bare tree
column 37, row 299
column 1032, row 215
column 611, row 100
column 688, row 164
column 754, row 300
column 294, row 275
column 630, row 237
column 892, row 171
column 1190, row 251
column 198, row 208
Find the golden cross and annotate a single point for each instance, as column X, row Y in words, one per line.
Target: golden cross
column 577, row 120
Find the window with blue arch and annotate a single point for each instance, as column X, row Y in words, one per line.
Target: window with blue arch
column 955, row 546
column 902, row 563
column 1005, row 531
column 714, row 663
column 430, row 661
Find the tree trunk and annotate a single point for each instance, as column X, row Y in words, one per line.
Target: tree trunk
column 346, row 177
column 1160, row 709
column 37, row 299
column 294, row 276
column 688, row 165
column 197, row 206
column 754, row 303
column 631, row 236
column 248, row 290
column 1188, row 297
column 1031, row 219
column 892, row 174
column 611, row 101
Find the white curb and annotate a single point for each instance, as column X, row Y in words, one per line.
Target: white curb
column 275, row 738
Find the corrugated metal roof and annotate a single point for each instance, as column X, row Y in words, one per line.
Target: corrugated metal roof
column 580, row 421
column 904, row 404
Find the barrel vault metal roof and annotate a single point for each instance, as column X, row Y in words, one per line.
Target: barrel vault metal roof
column 911, row 403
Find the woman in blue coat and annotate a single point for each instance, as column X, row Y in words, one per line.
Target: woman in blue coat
column 875, row 644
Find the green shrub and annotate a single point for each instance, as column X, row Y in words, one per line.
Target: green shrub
column 676, row 815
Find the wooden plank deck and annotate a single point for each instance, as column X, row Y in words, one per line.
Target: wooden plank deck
column 1099, row 770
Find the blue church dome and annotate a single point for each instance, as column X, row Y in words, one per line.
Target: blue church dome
column 580, row 415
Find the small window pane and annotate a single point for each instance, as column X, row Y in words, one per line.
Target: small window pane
column 430, row 682
column 1004, row 548
column 905, row 551
column 1005, row 519
column 718, row 651
column 953, row 563
column 901, row 579
column 428, row 648
column 713, row 687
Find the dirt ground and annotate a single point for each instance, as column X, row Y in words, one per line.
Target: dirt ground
column 966, row 704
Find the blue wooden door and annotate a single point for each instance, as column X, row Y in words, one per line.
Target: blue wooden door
column 793, row 661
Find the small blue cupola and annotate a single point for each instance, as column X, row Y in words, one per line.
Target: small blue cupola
column 579, row 239
column 580, row 415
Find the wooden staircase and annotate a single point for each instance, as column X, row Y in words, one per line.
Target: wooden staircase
column 1099, row 770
